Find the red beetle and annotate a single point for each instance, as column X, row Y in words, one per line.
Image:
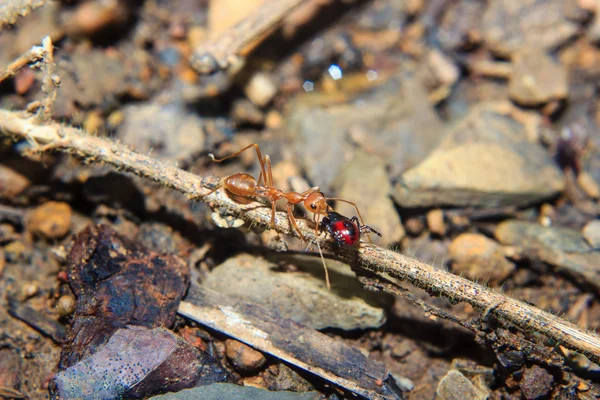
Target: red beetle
column 345, row 231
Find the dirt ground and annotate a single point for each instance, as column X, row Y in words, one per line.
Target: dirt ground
column 465, row 132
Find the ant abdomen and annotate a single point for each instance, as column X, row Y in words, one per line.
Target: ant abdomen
column 241, row 186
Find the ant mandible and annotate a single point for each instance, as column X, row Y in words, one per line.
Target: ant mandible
column 242, row 185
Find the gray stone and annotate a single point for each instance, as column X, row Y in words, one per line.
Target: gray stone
column 394, row 122
column 302, row 295
column 564, row 248
column 486, row 161
column 536, row 78
column 507, row 25
column 168, row 131
column 591, row 232
column 229, row 391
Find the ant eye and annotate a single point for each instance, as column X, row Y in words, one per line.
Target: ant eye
column 313, row 206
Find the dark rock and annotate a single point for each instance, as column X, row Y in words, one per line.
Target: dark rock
column 118, row 284
column 137, row 362
column 536, row 383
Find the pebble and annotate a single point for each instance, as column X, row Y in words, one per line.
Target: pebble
column 256, row 280
column 260, row 89
column 484, row 161
column 588, row 184
column 414, row 226
column 536, row 79
column 12, row 183
column 536, row 383
column 508, row 25
column 455, row 386
column 90, row 17
column 29, row 289
column 65, row 305
column 51, row 220
column 435, row 222
column 479, row 258
column 591, row 233
column 244, row 357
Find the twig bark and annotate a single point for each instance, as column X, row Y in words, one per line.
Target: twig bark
column 437, row 282
column 34, row 54
column 225, row 50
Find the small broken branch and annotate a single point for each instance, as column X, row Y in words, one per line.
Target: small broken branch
column 227, row 48
column 437, row 282
column 32, row 55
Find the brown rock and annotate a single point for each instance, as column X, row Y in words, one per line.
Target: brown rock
column 435, row 221
column 12, row 183
column 243, row 356
column 479, row 258
column 589, row 185
column 536, row 78
column 65, row 305
column 51, row 220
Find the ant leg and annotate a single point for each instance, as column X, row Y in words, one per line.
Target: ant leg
column 294, row 224
column 262, row 175
column 269, row 177
column 219, row 186
column 272, row 214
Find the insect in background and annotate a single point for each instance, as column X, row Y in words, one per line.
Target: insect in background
column 243, row 186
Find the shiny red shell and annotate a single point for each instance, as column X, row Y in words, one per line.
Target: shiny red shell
column 343, row 230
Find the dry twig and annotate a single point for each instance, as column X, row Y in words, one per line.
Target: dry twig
column 34, row 54
column 372, row 258
column 225, row 50
column 50, row 81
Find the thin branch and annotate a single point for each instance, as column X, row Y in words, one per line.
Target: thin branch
column 34, row 54
column 226, row 49
column 372, row 258
column 50, row 81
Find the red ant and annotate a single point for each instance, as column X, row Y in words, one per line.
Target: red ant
column 242, row 186
column 345, row 231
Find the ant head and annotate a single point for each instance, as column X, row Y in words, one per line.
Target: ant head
column 316, row 203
